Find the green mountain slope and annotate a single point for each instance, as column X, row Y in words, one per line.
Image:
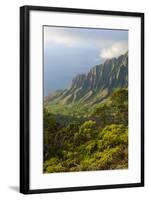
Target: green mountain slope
column 97, row 142
column 96, row 85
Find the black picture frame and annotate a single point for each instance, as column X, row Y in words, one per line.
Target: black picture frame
column 25, row 91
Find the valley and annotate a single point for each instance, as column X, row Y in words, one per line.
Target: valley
column 86, row 125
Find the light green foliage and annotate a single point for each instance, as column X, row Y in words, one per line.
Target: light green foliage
column 120, row 106
column 53, row 165
column 113, row 146
column 81, row 138
column 114, row 135
column 115, row 110
column 87, row 129
column 119, row 96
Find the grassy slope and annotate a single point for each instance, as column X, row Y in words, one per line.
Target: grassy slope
column 87, row 138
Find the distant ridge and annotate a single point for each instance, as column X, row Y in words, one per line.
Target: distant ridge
column 96, row 85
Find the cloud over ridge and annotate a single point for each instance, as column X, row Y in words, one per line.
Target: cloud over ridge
column 69, row 51
column 115, row 50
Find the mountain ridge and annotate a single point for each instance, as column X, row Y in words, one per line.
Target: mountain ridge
column 95, row 85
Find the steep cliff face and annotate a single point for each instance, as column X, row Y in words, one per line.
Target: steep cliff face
column 97, row 84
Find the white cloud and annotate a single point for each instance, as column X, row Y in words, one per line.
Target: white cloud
column 115, row 50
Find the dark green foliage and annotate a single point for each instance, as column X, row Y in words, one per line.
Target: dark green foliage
column 115, row 110
column 86, row 125
column 94, row 138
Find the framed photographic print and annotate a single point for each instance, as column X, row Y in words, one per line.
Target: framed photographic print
column 81, row 99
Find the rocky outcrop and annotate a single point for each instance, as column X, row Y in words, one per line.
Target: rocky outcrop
column 98, row 83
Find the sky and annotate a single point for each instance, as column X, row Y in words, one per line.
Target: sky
column 71, row 51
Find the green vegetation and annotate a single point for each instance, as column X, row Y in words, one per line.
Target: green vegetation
column 82, row 138
column 91, row 87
